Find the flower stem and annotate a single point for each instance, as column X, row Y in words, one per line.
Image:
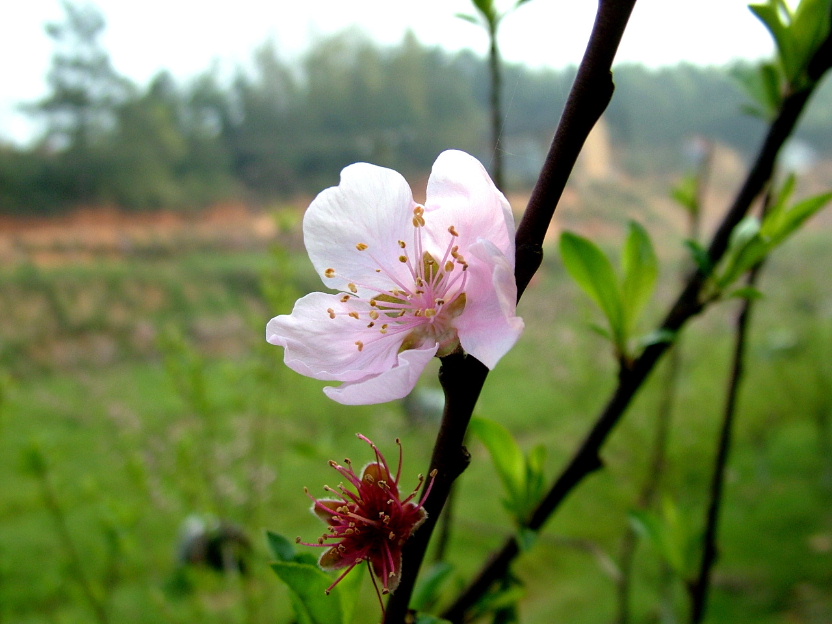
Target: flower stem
column 462, row 378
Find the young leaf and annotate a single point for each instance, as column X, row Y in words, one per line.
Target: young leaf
column 746, row 292
column 700, row 256
column 430, row 585
column 641, row 269
column 781, row 225
column 307, row 586
column 594, row 273
column 685, row 193
column 280, row 547
column 505, row 453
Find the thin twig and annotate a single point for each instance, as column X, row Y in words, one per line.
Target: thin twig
column 656, row 467
column 587, row 460
column 698, row 588
column 53, row 505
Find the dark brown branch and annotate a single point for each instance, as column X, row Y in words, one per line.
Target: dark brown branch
column 587, row 459
column 699, row 587
column 588, row 99
column 463, row 377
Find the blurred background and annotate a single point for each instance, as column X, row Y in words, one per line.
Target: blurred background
column 155, row 163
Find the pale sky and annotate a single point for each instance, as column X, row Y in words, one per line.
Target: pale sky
column 186, row 36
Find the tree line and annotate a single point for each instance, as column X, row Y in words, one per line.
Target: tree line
column 275, row 129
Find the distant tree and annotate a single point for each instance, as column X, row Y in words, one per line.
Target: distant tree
column 490, row 18
column 84, row 92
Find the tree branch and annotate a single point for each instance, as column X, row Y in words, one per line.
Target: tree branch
column 462, row 377
column 587, row 458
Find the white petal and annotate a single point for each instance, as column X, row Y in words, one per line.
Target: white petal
column 395, row 383
column 461, row 193
column 325, row 348
column 489, row 327
column 371, row 205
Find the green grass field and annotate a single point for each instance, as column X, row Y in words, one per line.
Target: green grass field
column 140, row 391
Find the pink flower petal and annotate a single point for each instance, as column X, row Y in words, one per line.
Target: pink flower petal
column 325, row 348
column 461, row 193
column 394, row 383
column 489, row 328
column 371, row 205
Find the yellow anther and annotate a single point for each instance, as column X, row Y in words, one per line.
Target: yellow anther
column 361, row 246
column 453, row 231
column 373, row 303
column 330, row 272
column 429, row 312
column 354, row 314
column 331, row 313
column 449, row 266
column 345, row 298
column 402, row 244
column 374, row 314
column 419, row 210
column 353, row 288
column 402, row 258
column 360, row 345
column 371, row 325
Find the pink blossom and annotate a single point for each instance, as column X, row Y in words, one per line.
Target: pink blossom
column 370, row 524
column 414, row 281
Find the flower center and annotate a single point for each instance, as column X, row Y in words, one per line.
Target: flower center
column 423, row 306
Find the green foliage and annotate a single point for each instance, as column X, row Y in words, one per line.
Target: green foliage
column 308, row 585
column 622, row 300
column 752, row 241
column 797, row 34
column 686, row 194
column 670, row 534
column 110, row 433
column 762, row 84
column 522, row 476
column 430, row 585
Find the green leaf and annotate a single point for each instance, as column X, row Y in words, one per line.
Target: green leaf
column 505, row 453
column 280, row 547
column 772, row 15
column 655, row 529
column 641, row 269
column 348, row 592
column 700, row 256
column 430, row 585
column 307, row 586
column 810, row 26
column 686, row 193
column 746, row 292
column 594, row 273
column 780, row 225
column 535, row 475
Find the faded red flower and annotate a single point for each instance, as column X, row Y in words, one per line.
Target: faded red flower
column 369, row 524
